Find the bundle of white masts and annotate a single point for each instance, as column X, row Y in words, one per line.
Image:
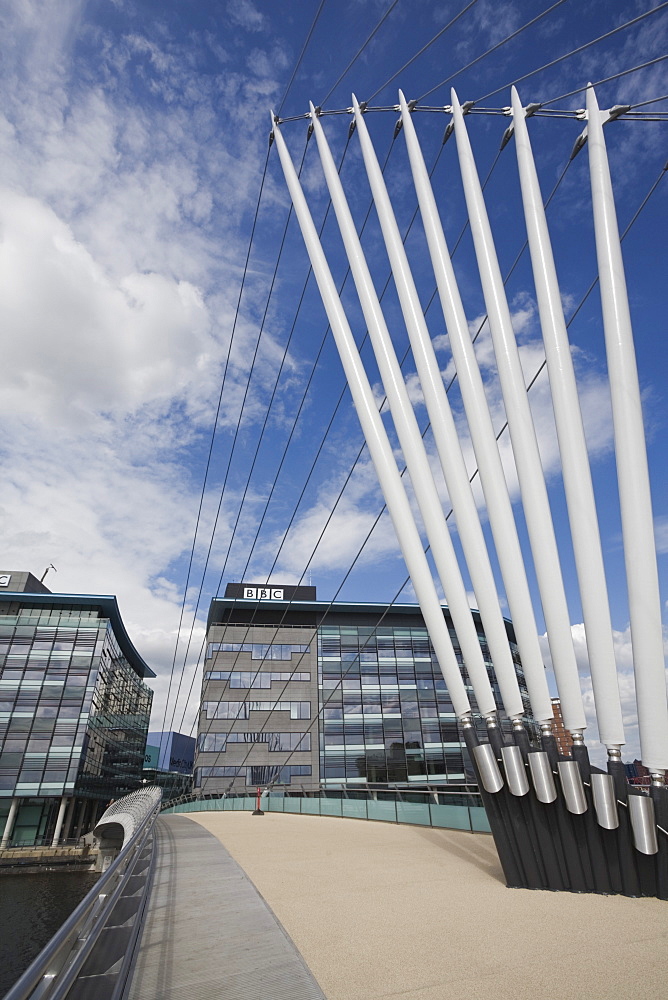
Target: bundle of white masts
column 640, row 556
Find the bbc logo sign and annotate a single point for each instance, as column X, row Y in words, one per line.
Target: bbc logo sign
column 263, row 594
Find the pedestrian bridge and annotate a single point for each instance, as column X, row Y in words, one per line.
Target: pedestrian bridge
column 285, row 904
column 294, row 905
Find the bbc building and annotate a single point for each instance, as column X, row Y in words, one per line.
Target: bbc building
column 74, row 710
column 309, row 693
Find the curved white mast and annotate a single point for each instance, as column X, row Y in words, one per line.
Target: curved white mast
column 415, row 456
column 522, row 432
column 631, row 452
column 378, row 443
column 573, row 448
column 486, row 450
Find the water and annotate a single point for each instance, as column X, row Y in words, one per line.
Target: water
column 32, row 908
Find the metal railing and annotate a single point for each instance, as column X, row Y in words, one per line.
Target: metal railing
column 41, row 843
column 435, row 806
column 95, row 946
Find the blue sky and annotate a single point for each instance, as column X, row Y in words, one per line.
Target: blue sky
column 134, row 137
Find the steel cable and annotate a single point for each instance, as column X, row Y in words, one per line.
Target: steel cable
column 238, row 427
column 425, row 47
column 223, row 381
column 493, row 48
column 359, row 454
column 573, row 52
column 359, row 51
column 341, row 396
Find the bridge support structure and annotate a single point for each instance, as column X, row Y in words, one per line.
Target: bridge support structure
column 558, row 821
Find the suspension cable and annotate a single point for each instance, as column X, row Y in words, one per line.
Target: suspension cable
column 385, row 287
column 259, row 442
column 207, row 467
column 223, row 381
column 424, row 48
column 359, row 51
column 652, row 100
column 313, row 465
column 493, row 48
column 280, row 106
column 340, row 495
column 301, row 55
column 573, row 52
column 607, row 79
column 238, row 427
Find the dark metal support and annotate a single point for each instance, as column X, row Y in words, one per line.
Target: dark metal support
column 505, row 844
column 660, row 798
column 627, row 852
column 645, row 863
column 577, row 881
column 520, row 822
column 542, row 821
column 610, row 845
column 591, row 844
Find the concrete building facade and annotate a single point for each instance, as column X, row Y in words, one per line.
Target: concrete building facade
column 302, row 692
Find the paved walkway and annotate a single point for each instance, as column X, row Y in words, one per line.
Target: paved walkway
column 385, row 911
column 208, row 934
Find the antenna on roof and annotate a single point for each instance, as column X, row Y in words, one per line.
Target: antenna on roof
column 43, row 576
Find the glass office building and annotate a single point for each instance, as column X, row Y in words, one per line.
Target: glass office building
column 74, row 710
column 356, row 697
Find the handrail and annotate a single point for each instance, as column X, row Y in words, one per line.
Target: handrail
column 52, row 974
column 293, row 791
column 469, row 815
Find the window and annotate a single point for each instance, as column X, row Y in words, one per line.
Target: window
column 212, row 742
column 255, row 678
column 242, row 709
column 264, row 774
column 258, row 650
column 256, row 774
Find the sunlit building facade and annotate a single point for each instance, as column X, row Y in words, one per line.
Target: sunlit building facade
column 307, row 693
column 74, row 710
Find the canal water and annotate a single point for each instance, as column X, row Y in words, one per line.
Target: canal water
column 32, row 908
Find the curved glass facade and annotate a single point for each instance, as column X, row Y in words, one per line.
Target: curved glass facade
column 74, row 711
column 386, row 713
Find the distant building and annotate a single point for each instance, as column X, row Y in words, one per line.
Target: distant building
column 173, row 783
column 306, row 693
column 176, row 751
column 637, row 773
column 74, row 710
column 561, row 734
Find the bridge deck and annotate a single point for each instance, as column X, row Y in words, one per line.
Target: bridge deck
column 410, row 913
column 208, row 934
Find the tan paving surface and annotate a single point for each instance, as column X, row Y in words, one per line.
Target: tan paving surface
column 385, row 911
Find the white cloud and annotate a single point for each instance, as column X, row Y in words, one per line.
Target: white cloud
column 116, row 304
column 245, row 14
column 661, row 533
column 83, row 346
